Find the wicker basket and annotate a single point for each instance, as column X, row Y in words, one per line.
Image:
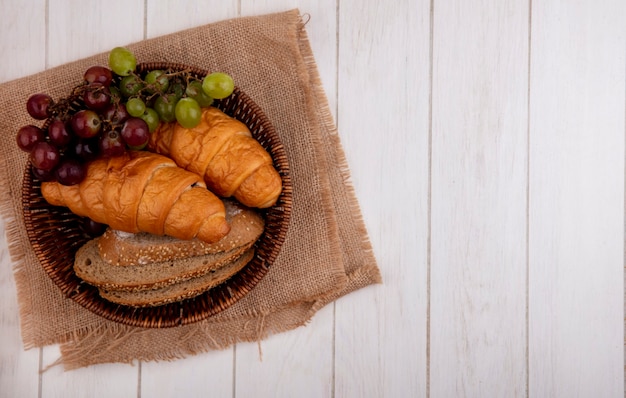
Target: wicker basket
column 55, row 234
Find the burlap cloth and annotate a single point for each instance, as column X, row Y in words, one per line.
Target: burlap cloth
column 326, row 254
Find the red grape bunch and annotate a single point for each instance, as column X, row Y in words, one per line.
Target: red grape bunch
column 112, row 110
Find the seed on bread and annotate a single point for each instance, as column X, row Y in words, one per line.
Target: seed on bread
column 91, row 268
column 181, row 290
column 124, row 249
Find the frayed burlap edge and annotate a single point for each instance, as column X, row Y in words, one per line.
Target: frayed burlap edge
column 329, row 130
column 85, row 347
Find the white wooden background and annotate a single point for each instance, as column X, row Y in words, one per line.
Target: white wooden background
column 486, row 144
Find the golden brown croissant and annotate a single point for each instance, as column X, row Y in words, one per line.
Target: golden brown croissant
column 222, row 150
column 144, row 192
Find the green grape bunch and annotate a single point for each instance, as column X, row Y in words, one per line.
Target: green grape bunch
column 173, row 96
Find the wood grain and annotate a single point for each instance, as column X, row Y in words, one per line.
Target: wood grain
column 577, row 199
column 486, row 143
column 383, row 103
column 24, row 22
column 100, row 381
column 77, row 29
column 19, row 369
column 204, row 375
column 479, row 182
column 294, row 364
column 169, row 16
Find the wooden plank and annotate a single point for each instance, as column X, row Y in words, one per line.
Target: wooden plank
column 19, row 369
column 97, row 381
column 383, row 121
column 25, row 22
column 203, row 375
column 304, row 356
column 478, row 215
column 577, row 199
column 77, row 29
column 295, row 363
column 170, row 16
column 208, row 374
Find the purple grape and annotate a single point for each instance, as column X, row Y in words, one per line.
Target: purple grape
column 86, row 123
column 38, row 106
column 115, row 113
column 44, row 156
column 87, row 148
column 98, row 74
column 97, row 97
column 135, row 133
column 70, row 172
column 43, row 175
column 112, row 144
column 58, row 134
column 28, row 136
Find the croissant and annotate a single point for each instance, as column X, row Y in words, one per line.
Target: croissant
column 223, row 151
column 144, row 192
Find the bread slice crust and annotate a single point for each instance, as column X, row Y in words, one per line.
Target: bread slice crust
column 178, row 291
column 90, row 267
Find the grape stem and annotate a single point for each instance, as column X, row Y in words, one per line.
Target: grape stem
column 149, row 91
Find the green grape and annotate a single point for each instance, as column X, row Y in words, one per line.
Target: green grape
column 177, row 89
column 130, row 85
column 115, row 93
column 188, row 112
column 218, row 85
column 122, row 61
column 194, row 90
column 165, row 106
column 151, row 117
column 135, row 106
column 157, row 81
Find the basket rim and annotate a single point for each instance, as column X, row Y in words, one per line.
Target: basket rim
column 38, row 223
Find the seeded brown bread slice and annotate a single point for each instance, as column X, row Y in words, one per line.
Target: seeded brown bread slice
column 178, row 291
column 120, row 248
column 90, row 267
